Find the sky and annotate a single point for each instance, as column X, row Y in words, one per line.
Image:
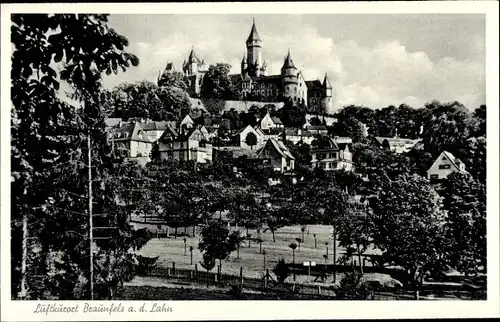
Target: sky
column 374, row 60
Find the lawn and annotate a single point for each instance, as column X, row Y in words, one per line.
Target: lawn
column 171, row 250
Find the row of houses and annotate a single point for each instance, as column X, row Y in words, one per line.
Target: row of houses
column 185, row 141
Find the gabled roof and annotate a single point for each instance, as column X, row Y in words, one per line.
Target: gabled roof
column 381, row 140
column 276, row 120
column 243, row 129
column 455, row 161
column 169, row 134
column 157, row 125
column 279, row 147
column 314, row 84
column 325, row 143
column 317, row 128
column 130, row 132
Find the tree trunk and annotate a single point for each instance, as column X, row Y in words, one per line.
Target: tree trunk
column 194, row 231
column 359, row 258
column 238, row 252
column 23, row 291
column 334, row 254
column 293, row 254
column 274, row 238
column 175, row 232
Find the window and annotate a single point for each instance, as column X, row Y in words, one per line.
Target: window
column 321, row 156
column 444, row 158
column 434, row 176
column 328, row 164
column 333, row 155
column 444, row 166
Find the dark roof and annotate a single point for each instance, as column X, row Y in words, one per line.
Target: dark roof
column 254, row 34
column 326, row 82
column 325, row 143
column 157, row 125
column 276, row 120
column 288, row 61
column 317, row 128
column 314, row 84
column 130, row 132
column 193, row 58
column 279, row 147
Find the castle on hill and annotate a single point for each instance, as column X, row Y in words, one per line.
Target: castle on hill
column 255, row 84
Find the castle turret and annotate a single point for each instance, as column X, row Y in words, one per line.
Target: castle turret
column 289, row 78
column 326, row 101
column 254, row 51
column 264, row 69
column 191, row 65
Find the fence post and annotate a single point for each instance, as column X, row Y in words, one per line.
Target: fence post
column 364, row 261
column 319, row 290
column 173, row 268
column 168, row 271
column 241, row 276
column 266, row 278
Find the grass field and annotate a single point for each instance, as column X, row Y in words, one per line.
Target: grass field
column 171, row 250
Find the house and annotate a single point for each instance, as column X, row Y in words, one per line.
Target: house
column 269, row 122
column 154, row 130
column 189, row 144
column 209, row 132
column 131, row 138
column 444, row 165
column 244, row 136
column 112, row 121
column 296, row 135
column 276, row 154
column 329, row 155
column 396, row 145
column 187, row 122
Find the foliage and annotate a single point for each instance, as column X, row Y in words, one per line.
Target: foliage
column 282, row 271
column 408, row 223
column 464, row 199
column 216, row 242
column 49, row 154
column 351, row 288
column 251, row 139
column 217, row 83
column 349, row 127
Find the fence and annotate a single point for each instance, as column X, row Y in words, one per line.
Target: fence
column 266, row 284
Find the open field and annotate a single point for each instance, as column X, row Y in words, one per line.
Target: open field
column 171, row 250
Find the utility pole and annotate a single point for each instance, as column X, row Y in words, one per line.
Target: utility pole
column 91, row 228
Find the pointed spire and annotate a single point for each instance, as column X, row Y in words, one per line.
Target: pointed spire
column 254, row 34
column 288, row 61
column 192, row 57
column 244, row 59
column 326, row 82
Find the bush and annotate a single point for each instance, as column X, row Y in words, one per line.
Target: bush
column 236, row 291
column 350, row 288
column 282, row 271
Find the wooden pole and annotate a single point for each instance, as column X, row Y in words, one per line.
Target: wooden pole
column 241, row 276
column 91, row 228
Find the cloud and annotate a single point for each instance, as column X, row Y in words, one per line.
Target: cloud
column 376, row 75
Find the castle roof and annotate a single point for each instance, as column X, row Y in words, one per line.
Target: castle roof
column 314, row 84
column 254, row 34
column 326, row 82
column 193, row 58
column 288, row 61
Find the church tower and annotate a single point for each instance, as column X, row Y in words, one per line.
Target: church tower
column 244, row 66
column 326, row 101
column 254, row 51
column 289, row 78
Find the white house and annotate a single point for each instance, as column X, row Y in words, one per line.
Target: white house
column 328, row 155
column 444, row 165
column 130, row 137
column 188, row 145
column 296, row 135
column 240, row 138
column 186, row 122
column 269, row 122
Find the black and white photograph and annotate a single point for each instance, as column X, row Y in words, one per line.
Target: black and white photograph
column 247, row 156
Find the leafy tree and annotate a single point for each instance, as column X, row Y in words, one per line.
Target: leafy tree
column 217, row 83
column 282, row 271
column 49, row 152
column 172, row 79
column 216, row 242
column 355, row 229
column 349, row 127
column 251, row 140
column 408, row 227
column 464, row 199
column 351, row 288
column 292, row 115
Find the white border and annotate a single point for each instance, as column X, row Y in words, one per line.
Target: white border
column 233, row 310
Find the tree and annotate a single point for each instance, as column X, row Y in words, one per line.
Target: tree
column 282, row 271
column 349, row 127
column 408, row 227
column 355, row 229
column 217, row 83
column 172, row 79
column 49, row 153
column 464, row 199
column 216, row 242
column 251, row 140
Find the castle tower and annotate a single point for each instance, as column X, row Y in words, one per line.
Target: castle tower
column 190, row 66
column 264, row 69
column 170, row 69
column 326, row 100
column 289, row 78
column 244, row 66
column 254, row 51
